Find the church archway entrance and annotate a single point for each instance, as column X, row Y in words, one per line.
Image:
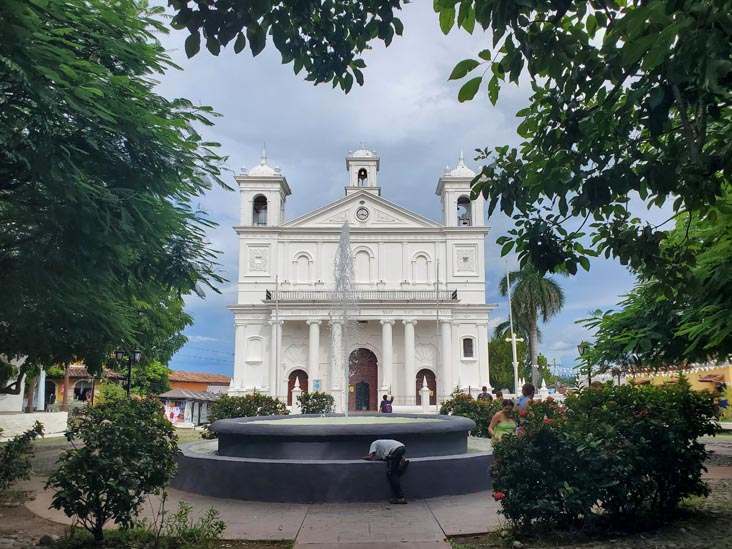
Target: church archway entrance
column 362, row 380
column 431, row 383
column 302, row 377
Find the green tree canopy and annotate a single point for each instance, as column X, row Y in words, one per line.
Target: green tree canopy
column 323, row 38
column 658, row 325
column 98, row 181
column 501, row 362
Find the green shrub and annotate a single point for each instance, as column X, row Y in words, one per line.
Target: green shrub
column 479, row 410
column 623, row 452
column 316, row 402
column 254, row 404
column 110, row 392
column 188, row 533
column 15, row 456
column 128, row 451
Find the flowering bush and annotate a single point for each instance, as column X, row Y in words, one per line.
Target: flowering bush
column 316, row 402
column 254, row 404
column 479, row 410
column 626, row 451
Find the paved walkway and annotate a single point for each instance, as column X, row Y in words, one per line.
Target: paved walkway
column 419, row 524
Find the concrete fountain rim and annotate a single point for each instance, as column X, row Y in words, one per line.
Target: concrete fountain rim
column 274, row 426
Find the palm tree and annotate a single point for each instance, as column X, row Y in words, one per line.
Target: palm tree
column 533, row 296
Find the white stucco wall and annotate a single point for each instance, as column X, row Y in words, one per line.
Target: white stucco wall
column 54, row 423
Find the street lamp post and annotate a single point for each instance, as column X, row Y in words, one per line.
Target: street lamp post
column 133, row 356
column 582, row 349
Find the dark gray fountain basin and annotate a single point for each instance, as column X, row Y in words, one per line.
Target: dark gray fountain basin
column 335, row 437
column 281, row 461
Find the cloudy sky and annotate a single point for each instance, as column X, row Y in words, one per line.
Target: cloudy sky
column 407, row 111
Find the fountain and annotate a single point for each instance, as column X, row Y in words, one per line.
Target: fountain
column 316, row 459
column 343, row 276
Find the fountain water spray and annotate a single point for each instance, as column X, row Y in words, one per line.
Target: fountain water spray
column 343, row 273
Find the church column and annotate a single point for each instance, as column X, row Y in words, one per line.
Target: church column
column 276, row 358
column 409, row 373
column 240, row 353
column 314, row 354
column 280, row 390
column 336, row 369
column 447, row 358
column 386, row 345
column 484, row 367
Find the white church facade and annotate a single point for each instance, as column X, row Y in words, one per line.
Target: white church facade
column 419, row 311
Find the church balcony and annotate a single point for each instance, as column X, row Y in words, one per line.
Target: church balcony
column 363, row 296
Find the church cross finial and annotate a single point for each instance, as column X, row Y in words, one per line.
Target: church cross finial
column 462, row 158
column 363, row 144
column 264, row 155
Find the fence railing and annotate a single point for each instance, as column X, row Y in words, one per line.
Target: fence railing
column 359, row 296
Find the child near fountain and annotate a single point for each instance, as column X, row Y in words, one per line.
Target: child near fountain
column 392, row 452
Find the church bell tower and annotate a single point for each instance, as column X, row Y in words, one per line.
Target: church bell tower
column 363, row 169
column 263, row 191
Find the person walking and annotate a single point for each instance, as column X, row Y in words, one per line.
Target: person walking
column 485, row 395
column 392, row 452
column 523, row 403
column 385, row 405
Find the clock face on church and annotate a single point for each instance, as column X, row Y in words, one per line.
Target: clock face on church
column 362, row 214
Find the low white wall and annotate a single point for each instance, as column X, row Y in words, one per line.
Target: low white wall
column 14, row 424
column 12, row 403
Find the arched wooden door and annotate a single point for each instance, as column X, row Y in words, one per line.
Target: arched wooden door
column 302, row 377
column 431, row 383
column 362, row 380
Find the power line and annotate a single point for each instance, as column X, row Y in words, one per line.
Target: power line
column 205, row 358
column 209, row 350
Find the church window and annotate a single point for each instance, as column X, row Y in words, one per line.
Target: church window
column 362, row 266
column 420, row 269
column 363, row 177
column 468, row 347
column 465, row 217
column 302, row 269
column 259, row 211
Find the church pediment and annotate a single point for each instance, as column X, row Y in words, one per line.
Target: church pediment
column 362, row 209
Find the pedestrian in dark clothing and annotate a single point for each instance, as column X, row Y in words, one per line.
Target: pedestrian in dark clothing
column 385, row 406
column 485, row 395
column 392, row 452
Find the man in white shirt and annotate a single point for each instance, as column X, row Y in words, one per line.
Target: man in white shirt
column 391, row 451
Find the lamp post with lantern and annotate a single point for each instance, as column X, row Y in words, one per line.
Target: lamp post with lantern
column 134, row 356
column 582, row 348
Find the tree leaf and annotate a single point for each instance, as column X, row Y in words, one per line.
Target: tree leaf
column 193, row 44
column 463, row 68
column 241, row 43
column 447, row 19
column 469, row 89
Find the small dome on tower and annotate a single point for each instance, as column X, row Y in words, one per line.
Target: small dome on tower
column 363, row 153
column 461, row 170
column 264, row 169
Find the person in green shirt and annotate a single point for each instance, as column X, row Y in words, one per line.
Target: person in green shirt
column 502, row 422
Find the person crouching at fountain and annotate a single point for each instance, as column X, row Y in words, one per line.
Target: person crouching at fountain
column 392, row 452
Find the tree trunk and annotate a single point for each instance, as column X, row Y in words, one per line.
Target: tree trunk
column 533, row 353
column 65, row 399
column 30, row 395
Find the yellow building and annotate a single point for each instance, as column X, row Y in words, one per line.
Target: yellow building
column 701, row 378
